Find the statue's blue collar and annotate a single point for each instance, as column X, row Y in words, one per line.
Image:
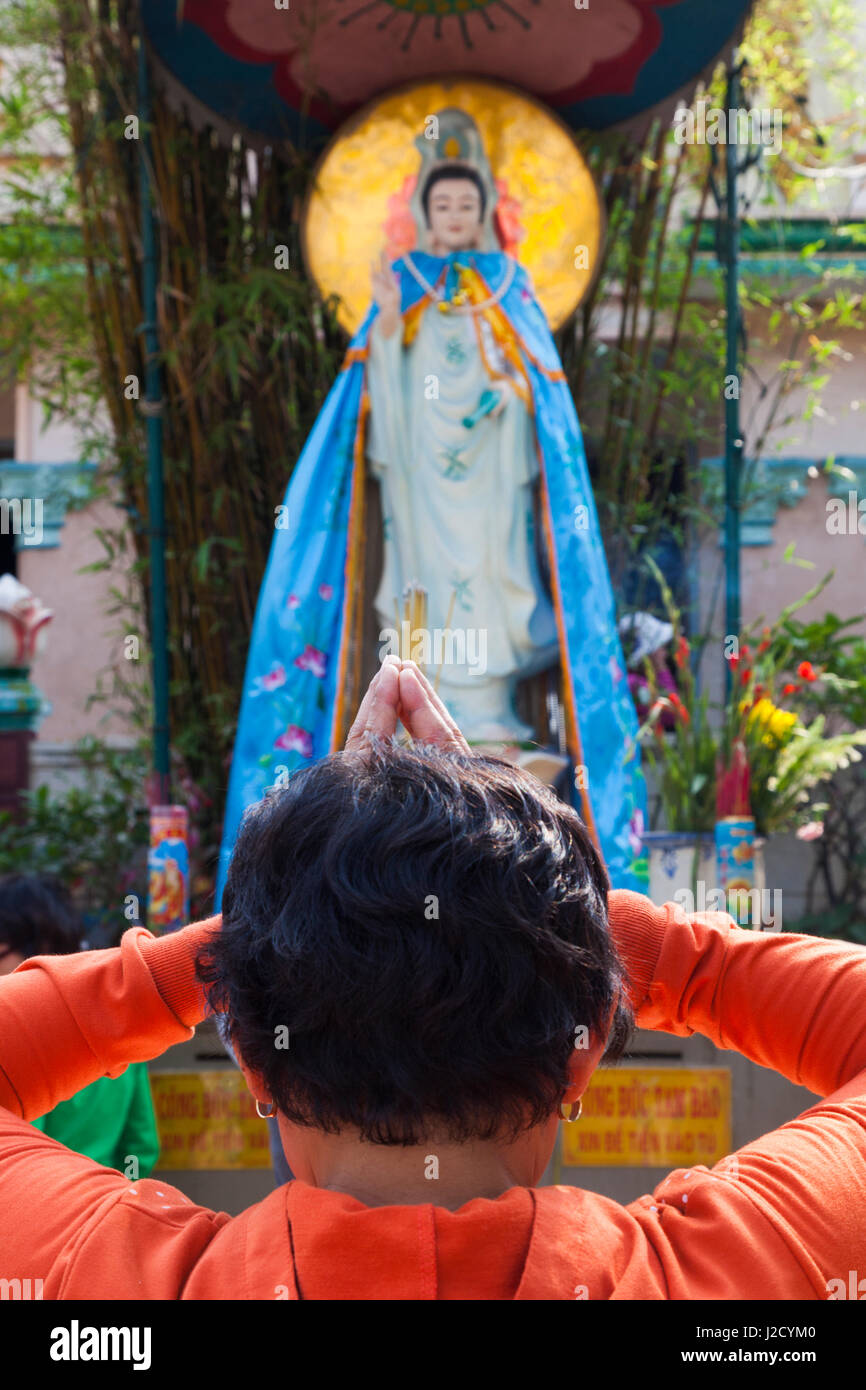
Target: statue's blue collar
column 481, row 260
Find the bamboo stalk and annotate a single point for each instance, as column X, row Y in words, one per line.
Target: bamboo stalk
column 685, row 284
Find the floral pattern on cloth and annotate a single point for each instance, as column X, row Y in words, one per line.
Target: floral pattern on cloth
column 291, row 700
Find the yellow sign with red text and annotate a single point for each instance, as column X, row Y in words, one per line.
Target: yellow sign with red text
column 207, row 1119
column 640, row 1117
column 643, row 1117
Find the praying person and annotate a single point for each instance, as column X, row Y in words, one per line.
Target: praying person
column 432, row 931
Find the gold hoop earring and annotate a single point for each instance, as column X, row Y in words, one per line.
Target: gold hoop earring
column 570, row 1117
column 263, row 1116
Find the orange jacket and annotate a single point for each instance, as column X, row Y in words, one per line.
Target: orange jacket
column 790, row 1219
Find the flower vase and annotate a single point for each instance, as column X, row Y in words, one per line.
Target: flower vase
column 682, row 867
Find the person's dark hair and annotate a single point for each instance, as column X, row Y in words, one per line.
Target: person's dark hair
column 452, row 171
column 432, row 931
column 36, row 917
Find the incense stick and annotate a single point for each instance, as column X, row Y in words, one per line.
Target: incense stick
column 447, row 626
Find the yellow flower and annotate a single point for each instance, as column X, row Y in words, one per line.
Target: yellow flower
column 781, row 723
column 762, row 712
column 775, row 724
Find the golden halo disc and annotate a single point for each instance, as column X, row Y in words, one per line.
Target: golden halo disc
column 547, row 196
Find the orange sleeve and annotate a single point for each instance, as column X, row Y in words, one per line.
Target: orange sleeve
column 67, row 1020
column 785, row 1216
column 796, row 1004
column 64, row 1022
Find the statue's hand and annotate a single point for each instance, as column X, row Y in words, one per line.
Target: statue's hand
column 506, row 394
column 386, row 294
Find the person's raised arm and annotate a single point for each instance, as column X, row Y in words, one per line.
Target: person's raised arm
column 796, row 1004
column 795, row 1198
column 67, row 1020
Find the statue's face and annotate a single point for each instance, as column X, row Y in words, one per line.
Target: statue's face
column 454, row 212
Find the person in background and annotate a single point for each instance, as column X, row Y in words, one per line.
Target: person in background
column 646, row 638
column 111, row 1120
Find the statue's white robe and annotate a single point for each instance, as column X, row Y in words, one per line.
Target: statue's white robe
column 458, row 515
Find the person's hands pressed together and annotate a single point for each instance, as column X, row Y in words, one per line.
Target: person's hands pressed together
column 378, row 712
column 401, row 692
column 424, row 715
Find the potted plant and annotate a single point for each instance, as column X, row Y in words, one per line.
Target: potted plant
column 786, row 752
column 679, row 746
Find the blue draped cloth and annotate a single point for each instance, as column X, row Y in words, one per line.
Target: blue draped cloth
column 289, row 711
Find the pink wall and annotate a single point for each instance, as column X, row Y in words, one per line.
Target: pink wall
column 769, row 583
column 82, row 639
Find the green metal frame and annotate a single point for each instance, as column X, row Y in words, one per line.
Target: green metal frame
column 152, row 410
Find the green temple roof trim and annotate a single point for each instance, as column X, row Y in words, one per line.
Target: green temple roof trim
column 814, row 235
column 35, row 497
column 37, row 252
column 785, row 248
column 769, row 484
column 851, row 267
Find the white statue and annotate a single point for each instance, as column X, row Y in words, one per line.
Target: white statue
column 452, row 442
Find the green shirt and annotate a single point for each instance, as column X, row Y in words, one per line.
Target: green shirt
column 111, row 1121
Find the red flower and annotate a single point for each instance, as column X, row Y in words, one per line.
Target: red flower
column 680, row 708
column 790, row 689
column 746, row 675
column 655, row 713
column 681, row 655
column 806, row 671
column 760, row 688
column 734, row 660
